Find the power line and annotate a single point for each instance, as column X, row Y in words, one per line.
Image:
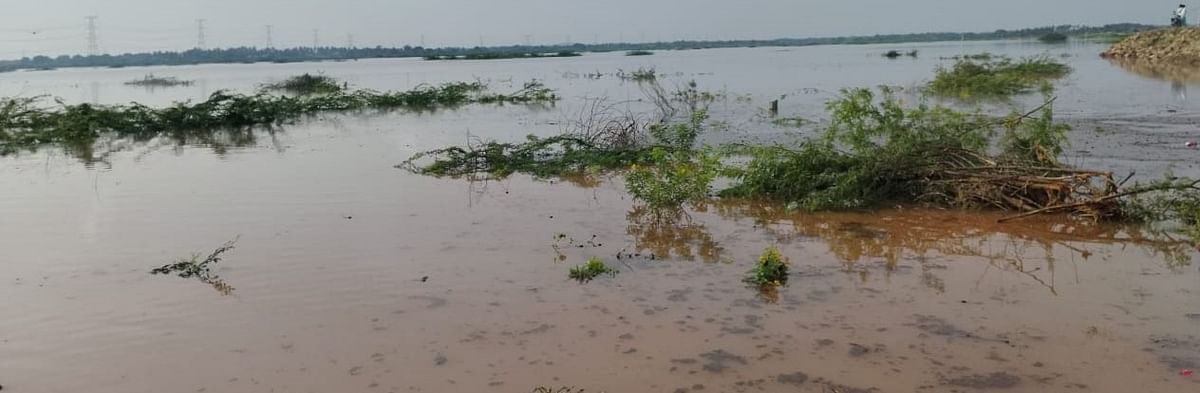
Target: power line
column 93, row 45
column 200, row 34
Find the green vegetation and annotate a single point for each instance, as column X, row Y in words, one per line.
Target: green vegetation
column 893, row 54
column 986, row 77
column 150, row 80
column 674, row 173
column 639, row 53
column 771, row 269
column 875, row 152
column 639, row 75
column 1053, row 38
column 307, row 84
column 201, row 269
column 26, row 124
column 590, row 270
column 503, row 55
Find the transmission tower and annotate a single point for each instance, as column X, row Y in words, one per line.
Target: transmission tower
column 270, row 43
column 349, row 40
column 316, row 38
column 200, row 34
column 93, row 45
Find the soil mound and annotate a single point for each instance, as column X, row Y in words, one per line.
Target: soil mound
column 1172, row 45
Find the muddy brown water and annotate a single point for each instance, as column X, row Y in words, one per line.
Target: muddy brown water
column 351, row 275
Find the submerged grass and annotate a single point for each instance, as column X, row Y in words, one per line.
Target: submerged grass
column 985, row 76
column 306, row 84
column 594, row 267
column 25, row 123
column 151, row 80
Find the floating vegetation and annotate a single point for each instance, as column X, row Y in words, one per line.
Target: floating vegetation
column 1053, row 38
column 893, row 54
column 201, row 269
column 306, row 84
column 150, row 80
column 26, row 124
column 639, row 75
column 503, row 55
column 986, row 77
column 594, row 267
column 639, row 53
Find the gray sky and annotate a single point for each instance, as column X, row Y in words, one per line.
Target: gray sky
column 139, row 25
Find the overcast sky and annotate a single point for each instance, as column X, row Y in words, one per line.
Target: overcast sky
column 30, row 27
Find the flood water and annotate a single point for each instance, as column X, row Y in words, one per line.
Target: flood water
column 350, row 275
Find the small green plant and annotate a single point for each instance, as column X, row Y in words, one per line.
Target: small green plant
column 594, row 267
column 201, row 269
column 306, row 84
column 771, row 269
column 150, row 80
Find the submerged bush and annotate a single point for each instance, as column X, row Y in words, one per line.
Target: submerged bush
column 673, row 172
column 987, row 77
column 150, row 80
column 873, row 151
column 594, row 267
column 25, row 123
column 305, row 84
column 771, row 269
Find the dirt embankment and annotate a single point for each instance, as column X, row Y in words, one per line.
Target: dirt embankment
column 1171, row 45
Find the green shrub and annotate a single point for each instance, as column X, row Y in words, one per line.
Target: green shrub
column 673, row 172
column 771, row 270
column 590, row 270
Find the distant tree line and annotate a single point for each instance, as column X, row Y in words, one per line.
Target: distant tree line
column 289, row 55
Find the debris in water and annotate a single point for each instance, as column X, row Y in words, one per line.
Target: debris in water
column 201, row 269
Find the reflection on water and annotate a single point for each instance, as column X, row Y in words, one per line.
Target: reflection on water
column 220, row 143
column 1180, row 73
column 679, row 237
column 1033, row 247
